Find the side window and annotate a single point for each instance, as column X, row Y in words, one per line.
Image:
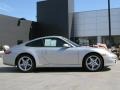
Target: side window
column 50, row 42
column 53, row 42
column 36, row 43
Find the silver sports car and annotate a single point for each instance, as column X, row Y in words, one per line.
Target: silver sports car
column 57, row 51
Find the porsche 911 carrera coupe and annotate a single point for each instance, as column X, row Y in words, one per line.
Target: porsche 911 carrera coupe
column 57, row 51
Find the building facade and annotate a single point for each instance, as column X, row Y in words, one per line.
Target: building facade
column 56, row 17
column 91, row 27
column 85, row 28
column 13, row 32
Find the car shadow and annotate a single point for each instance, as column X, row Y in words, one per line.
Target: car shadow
column 47, row 70
column 8, row 70
column 70, row 69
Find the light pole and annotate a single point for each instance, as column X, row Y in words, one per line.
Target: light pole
column 109, row 20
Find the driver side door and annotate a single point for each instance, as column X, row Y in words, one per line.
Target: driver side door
column 57, row 54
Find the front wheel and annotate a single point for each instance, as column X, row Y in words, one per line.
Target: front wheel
column 93, row 62
column 25, row 63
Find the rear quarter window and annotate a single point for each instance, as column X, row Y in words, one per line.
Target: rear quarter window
column 36, row 43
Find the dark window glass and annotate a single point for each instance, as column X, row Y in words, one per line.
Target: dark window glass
column 36, row 43
column 19, row 42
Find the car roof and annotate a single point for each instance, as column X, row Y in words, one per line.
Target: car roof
column 43, row 38
column 47, row 37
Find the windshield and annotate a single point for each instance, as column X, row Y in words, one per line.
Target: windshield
column 73, row 43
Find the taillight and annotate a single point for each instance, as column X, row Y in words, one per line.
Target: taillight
column 7, row 51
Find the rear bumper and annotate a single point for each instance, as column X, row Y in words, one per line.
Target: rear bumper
column 9, row 59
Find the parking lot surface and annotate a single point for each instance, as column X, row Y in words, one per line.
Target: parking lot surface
column 59, row 79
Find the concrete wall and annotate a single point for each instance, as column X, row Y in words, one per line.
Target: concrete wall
column 10, row 32
column 95, row 23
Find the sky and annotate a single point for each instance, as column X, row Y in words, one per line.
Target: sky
column 27, row 8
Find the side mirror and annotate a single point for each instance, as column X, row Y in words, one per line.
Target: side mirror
column 66, row 46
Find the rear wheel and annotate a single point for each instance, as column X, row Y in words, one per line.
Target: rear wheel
column 93, row 62
column 25, row 63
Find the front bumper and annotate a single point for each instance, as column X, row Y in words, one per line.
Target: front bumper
column 110, row 59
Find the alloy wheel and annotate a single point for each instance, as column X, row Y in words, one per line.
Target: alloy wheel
column 25, row 63
column 93, row 63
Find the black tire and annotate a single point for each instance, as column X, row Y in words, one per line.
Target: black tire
column 93, row 62
column 26, row 63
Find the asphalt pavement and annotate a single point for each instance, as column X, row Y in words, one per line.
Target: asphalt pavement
column 59, row 79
